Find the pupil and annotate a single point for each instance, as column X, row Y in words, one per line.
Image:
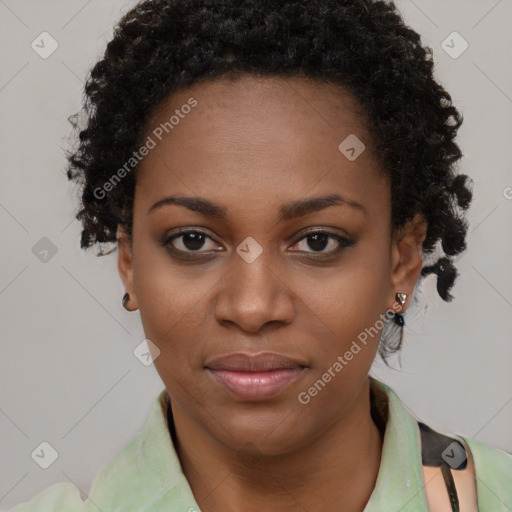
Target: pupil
column 193, row 241
column 319, row 241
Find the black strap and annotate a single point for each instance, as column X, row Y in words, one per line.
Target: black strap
column 445, row 452
column 450, row 485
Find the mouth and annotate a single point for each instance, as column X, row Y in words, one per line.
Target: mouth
column 255, row 377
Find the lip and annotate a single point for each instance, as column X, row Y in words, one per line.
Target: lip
column 255, row 377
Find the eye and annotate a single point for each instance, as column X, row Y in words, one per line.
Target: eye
column 190, row 241
column 323, row 242
column 197, row 242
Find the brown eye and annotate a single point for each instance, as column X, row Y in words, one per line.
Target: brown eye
column 191, row 241
column 323, row 242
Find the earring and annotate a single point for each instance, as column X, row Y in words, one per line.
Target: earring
column 126, row 298
column 399, row 319
column 400, row 297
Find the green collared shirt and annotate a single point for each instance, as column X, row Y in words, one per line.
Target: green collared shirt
column 146, row 475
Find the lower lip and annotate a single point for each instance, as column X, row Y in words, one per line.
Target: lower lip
column 256, row 386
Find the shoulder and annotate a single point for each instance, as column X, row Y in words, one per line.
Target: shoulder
column 489, row 469
column 490, row 461
column 58, row 496
column 493, row 472
column 141, row 473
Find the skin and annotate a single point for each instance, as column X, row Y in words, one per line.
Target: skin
column 252, row 145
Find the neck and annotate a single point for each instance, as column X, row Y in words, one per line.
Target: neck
column 340, row 467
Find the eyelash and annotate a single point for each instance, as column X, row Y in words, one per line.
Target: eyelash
column 342, row 241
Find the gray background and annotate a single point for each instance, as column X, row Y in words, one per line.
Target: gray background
column 68, row 372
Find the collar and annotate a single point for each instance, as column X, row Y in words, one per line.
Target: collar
column 147, row 475
column 400, row 478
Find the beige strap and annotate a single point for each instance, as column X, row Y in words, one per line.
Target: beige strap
column 465, row 483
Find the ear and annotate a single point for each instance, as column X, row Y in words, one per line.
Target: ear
column 407, row 259
column 125, row 265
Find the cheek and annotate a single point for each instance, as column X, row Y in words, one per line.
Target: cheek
column 349, row 311
column 172, row 314
column 171, row 304
column 352, row 296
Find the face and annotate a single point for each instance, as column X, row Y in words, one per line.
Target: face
column 255, row 235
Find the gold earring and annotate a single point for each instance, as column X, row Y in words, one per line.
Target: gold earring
column 400, row 297
column 399, row 319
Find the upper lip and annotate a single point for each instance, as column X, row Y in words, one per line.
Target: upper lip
column 261, row 362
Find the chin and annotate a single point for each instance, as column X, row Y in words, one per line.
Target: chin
column 260, row 435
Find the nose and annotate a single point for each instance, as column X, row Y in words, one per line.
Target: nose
column 254, row 296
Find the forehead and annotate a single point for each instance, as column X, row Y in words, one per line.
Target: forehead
column 258, row 104
column 251, row 136
column 300, row 93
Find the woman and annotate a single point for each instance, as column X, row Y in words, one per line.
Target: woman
column 273, row 175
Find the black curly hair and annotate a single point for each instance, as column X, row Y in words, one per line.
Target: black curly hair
column 364, row 46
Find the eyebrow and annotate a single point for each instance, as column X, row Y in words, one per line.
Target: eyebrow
column 286, row 212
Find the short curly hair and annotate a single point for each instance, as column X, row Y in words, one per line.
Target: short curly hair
column 364, row 46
